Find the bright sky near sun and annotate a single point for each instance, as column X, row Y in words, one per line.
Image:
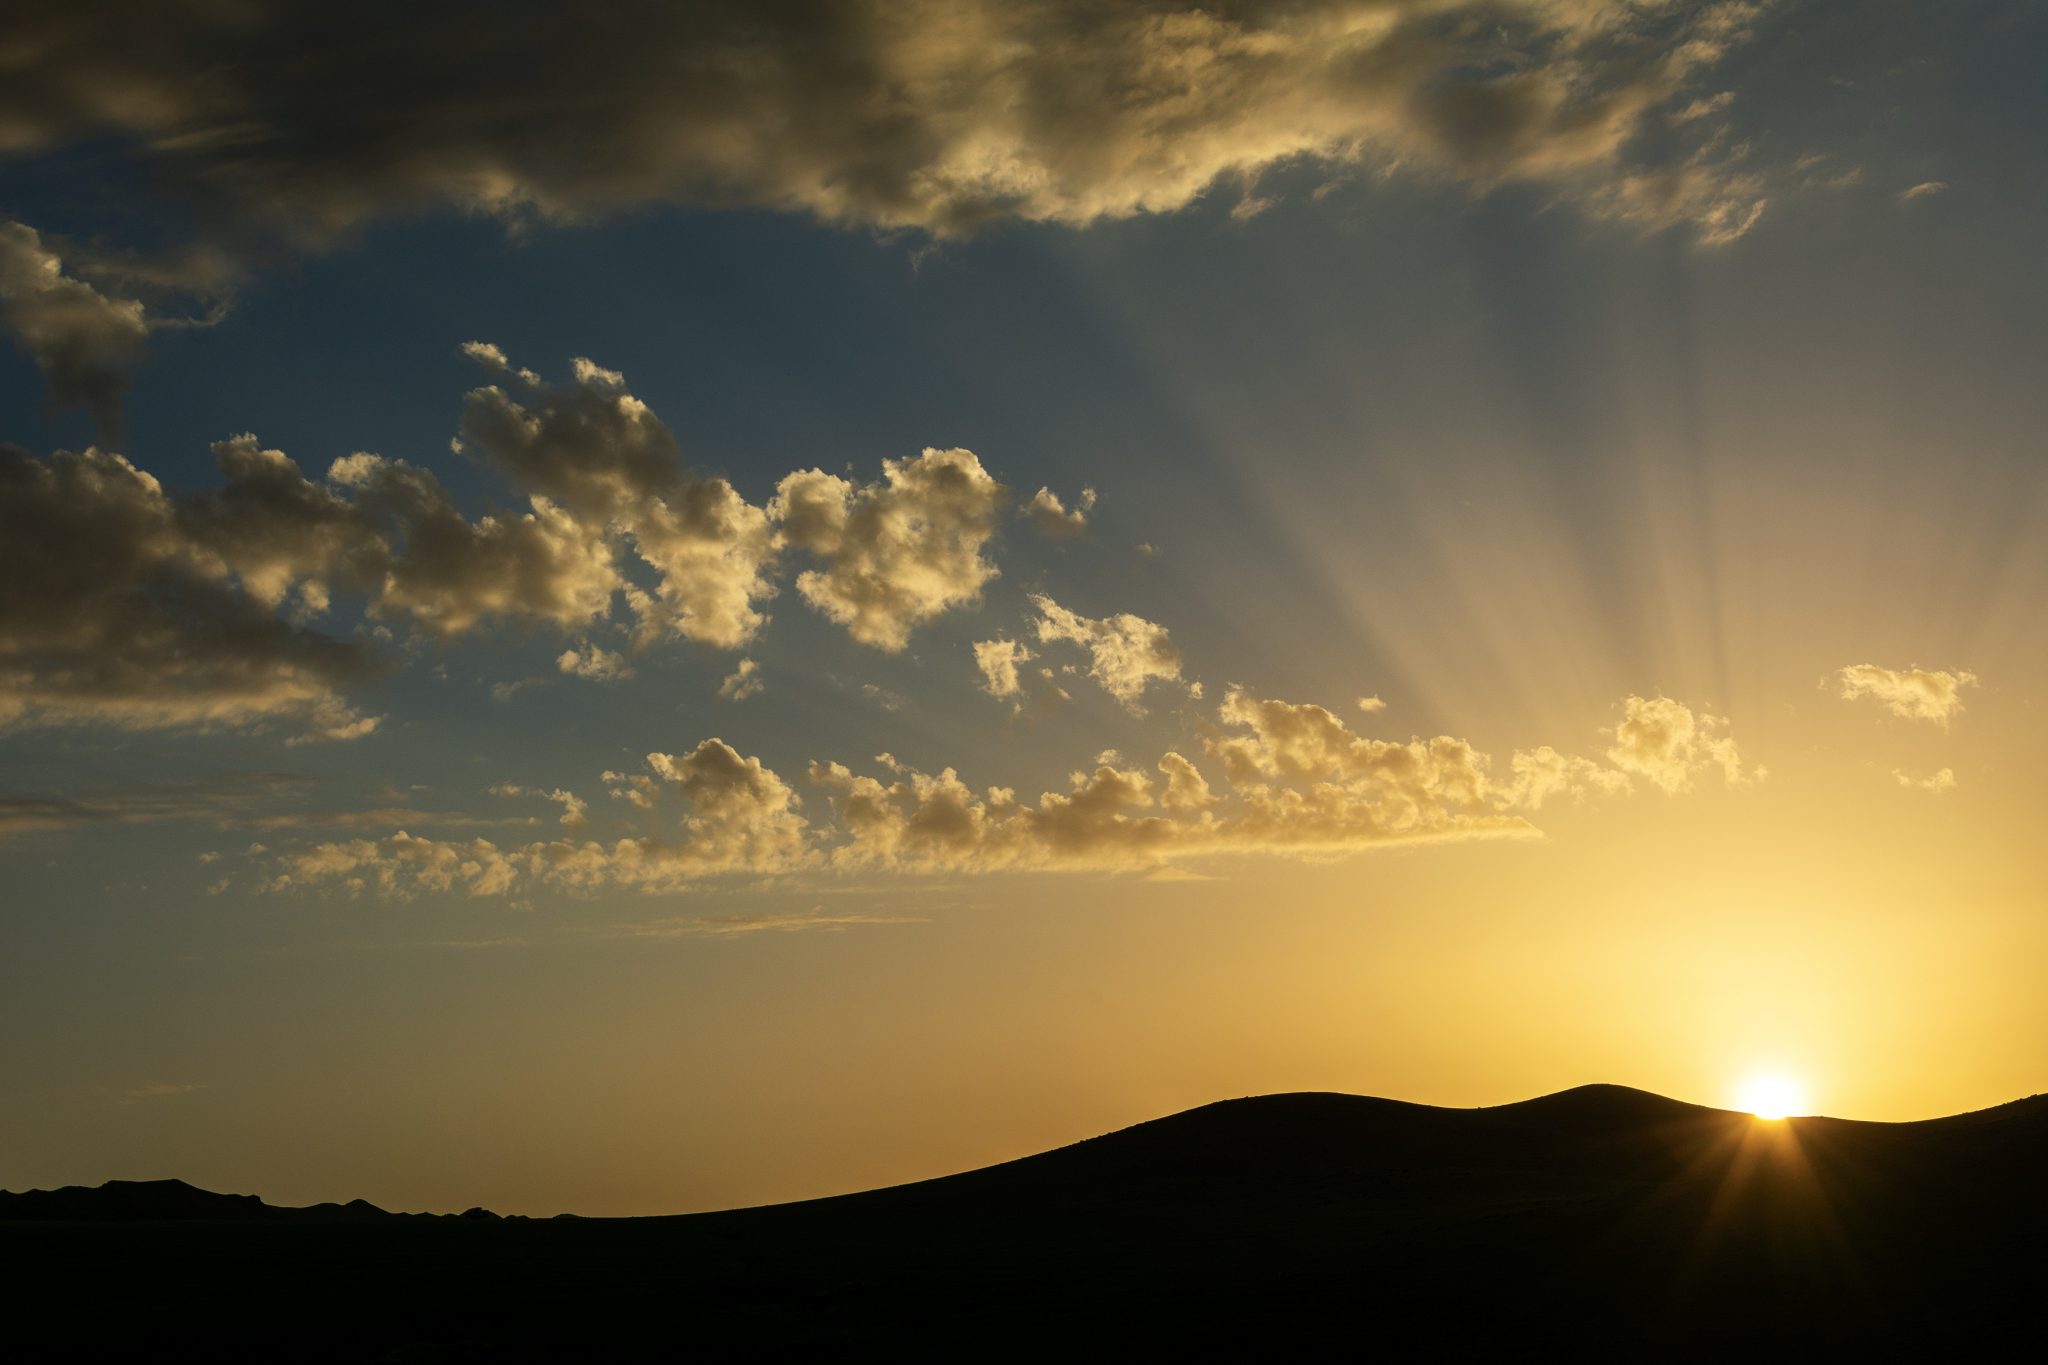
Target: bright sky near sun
column 972, row 574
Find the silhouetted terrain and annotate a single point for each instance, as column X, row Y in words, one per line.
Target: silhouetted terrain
column 1597, row 1222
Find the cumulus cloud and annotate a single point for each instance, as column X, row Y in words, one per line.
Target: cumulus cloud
column 1300, row 784
column 1126, row 653
column 1051, row 517
column 896, row 553
column 738, row 817
column 743, row 682
column 936, row 115
column 126, row 603
column 598, row 665
column 602, row 455
column 398, row 866
column 1910, row 693
column 1671, row 745
column 1186, row 789
column 999, row 661
column 1371, row 705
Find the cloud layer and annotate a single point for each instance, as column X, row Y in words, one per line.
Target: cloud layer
column 929, row 114
column 1300, row 784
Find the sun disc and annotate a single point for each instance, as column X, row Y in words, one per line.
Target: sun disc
column 1771, row 1096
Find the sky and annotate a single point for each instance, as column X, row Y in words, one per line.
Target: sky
column 626, row 611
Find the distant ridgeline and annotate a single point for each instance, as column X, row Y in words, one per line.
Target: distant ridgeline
column 135, row 1201
column 1599, row 1223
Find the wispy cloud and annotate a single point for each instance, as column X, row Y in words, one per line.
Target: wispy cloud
column 142, row 1094
column 816, row 919
column 1929, row 694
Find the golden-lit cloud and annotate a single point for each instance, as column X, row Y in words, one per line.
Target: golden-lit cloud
column 601, row 455
column 1936, row 783
column 595, row 664
column 1126, row 653
column 1302, row 784
column 1910, row 693
column 896, row 553
column 1671, row 745
column 1051, row 517
column 999, row 662
column 744, row 681
column 575, row 810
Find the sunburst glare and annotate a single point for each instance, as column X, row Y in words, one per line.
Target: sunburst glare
column 1771, row 1095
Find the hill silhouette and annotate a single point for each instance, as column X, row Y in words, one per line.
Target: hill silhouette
column 1597, row 1222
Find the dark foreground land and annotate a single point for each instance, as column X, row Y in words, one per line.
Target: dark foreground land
column 1596, row 1223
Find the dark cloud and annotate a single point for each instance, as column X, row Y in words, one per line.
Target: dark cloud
column 84, row 315
column 929, row 114
column 84, row 341
column 111, row 614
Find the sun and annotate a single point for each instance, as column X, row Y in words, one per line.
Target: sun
column 1771, row 1095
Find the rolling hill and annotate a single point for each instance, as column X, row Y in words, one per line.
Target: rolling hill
column 1598, row 1222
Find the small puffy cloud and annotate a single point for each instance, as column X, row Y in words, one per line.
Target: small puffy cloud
column 1935, row 784
column 1910, row 693
column 1926, row 189
column 593, row 663
column 897, row 553
column 637, row 789
column 1050, row 517
column 742, row 817
column 743, row 682
column 593, row 449
column 575, row 810
column 1669, row 744
column 448, row 575
column 1371, row 705
column 999, row 661
column 1126, row 653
